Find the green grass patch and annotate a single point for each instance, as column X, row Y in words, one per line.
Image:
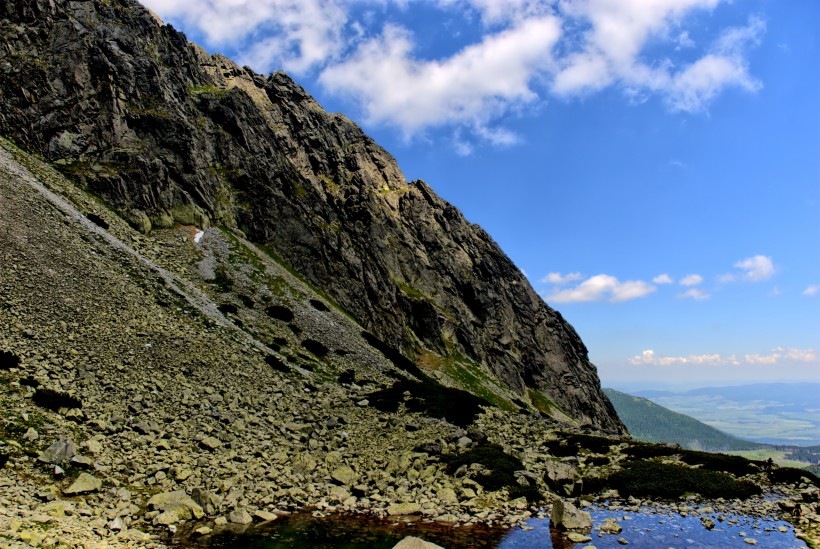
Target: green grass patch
column 214, row 91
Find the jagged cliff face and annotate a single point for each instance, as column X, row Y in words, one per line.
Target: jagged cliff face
column 169, row 134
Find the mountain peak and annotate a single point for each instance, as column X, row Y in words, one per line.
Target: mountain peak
column 168, row 134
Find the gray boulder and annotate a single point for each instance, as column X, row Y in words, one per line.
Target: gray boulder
column 565, row 516
column 59, row 452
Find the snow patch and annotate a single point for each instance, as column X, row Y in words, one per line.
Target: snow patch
column 198, row 236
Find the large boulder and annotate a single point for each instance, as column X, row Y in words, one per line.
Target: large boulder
column 175, row 506
column 565, row 516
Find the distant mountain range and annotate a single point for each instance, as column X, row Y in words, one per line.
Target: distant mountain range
column 770, row 413
column 650, row 422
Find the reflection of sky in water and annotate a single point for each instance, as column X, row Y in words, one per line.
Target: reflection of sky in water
column 653, row 531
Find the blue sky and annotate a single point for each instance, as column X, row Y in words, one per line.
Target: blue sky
column 652, row 165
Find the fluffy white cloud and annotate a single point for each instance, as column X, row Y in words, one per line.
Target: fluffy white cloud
column 691, row 280
column 778, row 355
column 600, row 287
column 812, row 290
column 296, row 35
column 694, row 293
column 663, row 279
column 755, row 269
column 526, row 51
column 558, row 278
column 471, row 88
column 613, row 52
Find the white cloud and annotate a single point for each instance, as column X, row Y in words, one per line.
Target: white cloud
column 754, row 269
column 558, row 278
column 778, row 355
column 613, row 52
column 757, row 268
column 471, row 88
column 812, row 290
column 649, row 357
column 694, row 293
column 526, row 50
column 297, row 35
column 663, row 279
column 600, row 287
column 691, row 280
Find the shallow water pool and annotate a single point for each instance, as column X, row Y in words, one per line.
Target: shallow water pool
column 648, row 529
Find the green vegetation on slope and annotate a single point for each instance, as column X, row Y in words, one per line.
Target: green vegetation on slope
column 652, row 423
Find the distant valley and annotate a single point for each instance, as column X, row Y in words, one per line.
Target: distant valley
column 770, row 413
column 652, row 422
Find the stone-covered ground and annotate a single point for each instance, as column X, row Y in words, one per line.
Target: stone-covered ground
column 149, row 381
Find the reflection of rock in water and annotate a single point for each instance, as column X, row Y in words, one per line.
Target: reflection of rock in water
column 302, row 530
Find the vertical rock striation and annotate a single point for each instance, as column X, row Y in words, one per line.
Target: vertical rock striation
column 169, row 134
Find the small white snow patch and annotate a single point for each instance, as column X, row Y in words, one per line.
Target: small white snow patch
column 198, row 236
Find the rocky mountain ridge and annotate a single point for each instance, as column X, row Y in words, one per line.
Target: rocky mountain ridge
column 169, row 135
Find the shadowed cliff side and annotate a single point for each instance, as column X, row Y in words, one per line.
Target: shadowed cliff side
column 168, row 134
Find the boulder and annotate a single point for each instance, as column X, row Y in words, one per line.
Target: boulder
column 344, row 475
column 84, row 484
column 563, row 479
column 59, row 452
column 176, row 506
column 398, row 509
column 240, row 516
column 565, row 516
column 411, row 542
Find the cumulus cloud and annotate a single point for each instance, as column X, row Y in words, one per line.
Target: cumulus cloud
column 754, row 269
column 558, row 278
column 663, row 279
column 778, row 355
column 691, row 280
column 812, row 290
column 649, row 357
column 297, row 35
column 471, row 88
column 524, row 52
column 694, row 293
column 603, row 287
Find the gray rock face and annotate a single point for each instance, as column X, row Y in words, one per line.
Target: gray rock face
column 168, row 134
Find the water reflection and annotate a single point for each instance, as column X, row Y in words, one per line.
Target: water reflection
column 651, row 530
column 647, row 529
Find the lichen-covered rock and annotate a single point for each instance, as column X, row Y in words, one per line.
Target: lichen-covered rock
column 177, row 504
column 402, row 509
column 169, row 134
column 84, row 484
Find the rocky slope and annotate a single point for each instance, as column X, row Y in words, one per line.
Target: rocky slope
column 187, row 383
column 170, row 135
